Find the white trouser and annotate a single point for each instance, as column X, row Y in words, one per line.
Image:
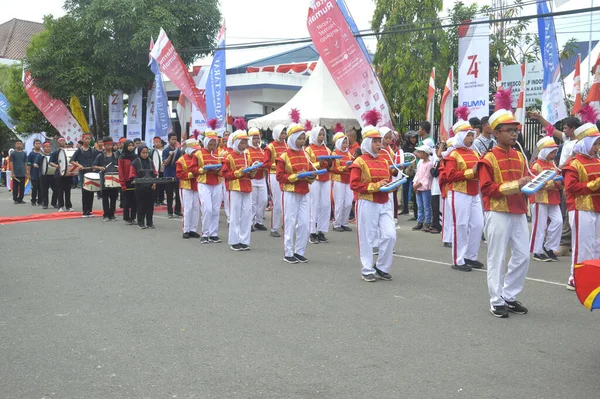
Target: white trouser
column 342, row 197
column 240, row 217
column 320, row 206
column 277, row 198
column 466, row 211
column 539, row 223
column 225, row 195
column 375, row 222
column 295, row 219
column 259, row 200
column 585, row 236
column 502, row 229
column 191, row 210
column 447, row 220
column 210, row 204
column 8, row 177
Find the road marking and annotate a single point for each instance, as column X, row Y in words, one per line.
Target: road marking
column 539, row 280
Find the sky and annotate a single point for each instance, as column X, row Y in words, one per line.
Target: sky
column 257, row 20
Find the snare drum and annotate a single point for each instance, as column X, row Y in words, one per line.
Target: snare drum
column 91, row 181
column 47, row 169
column 64, row 162
column 110, row 181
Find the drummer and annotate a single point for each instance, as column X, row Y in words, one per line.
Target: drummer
column 84, row 159
column 62, row 183
column 106, row 161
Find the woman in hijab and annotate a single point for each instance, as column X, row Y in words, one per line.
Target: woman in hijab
column 275, row 148
column 143, row 167
column 460, row 168
column 320, row 190
column 127, row 186
column 582, row 186
column 342, row 194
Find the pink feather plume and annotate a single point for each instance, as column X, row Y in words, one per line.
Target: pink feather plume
column 240, row 124
column 339, row 128
column 212, row 123
column 462, row 112
column 550, row 130
column 295, row 115
column 503, row 99
column 588, row 114
column 372, row 117
column 196, row 133
column 308, row 126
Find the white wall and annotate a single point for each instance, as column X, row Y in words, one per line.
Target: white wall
column 249, row 102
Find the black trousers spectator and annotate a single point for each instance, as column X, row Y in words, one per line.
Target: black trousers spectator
column 64, row 184
column 159, row 193
column 3, row 178
column 145, row 206
column 35, row 191
column 46, row 182
column 172, row 188
column 109, row 202
column 435, row 212
column 87, row 201
column 129, row 205
column 18, row 188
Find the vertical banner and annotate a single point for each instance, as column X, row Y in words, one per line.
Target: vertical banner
column 115, row 114
column 150, row 114
column 553, row 103
column 474, row 67
column 77, row 112
column 342, row 55
column 134, row 115
column 162, row 114
column 593, row 96
column 183, row 115
column 499, row 83
column 4, row 106
column 198, row 119
column 447, row 108
column 430, row 116
column 577, row 86
column 54, row 110
column 520, row 110
column 172, row 66
column 216, row 86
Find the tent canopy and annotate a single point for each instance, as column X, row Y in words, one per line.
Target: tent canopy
column 319, row 101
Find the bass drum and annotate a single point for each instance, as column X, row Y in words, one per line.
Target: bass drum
column 64, row 166
column 47, row 169
column 91, row 182
column 157, row 160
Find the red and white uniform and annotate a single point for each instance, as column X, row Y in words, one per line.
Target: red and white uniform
column 209, row 190
column 342, row 194
column 187, row 173
column 320, row 190
column 260, row 195
column 272, row 153
column 545, row 204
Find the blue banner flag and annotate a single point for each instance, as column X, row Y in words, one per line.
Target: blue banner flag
column 162, row 117
column 4, row 106
column 216, row 86
column 353, row 27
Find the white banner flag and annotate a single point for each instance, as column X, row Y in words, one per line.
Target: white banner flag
column 150, row 109
column 134, row 115
column 115, row 114
column 474, row 67
column 198, row 120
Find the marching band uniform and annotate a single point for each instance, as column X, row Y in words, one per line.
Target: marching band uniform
column 239, row 190
column 320, row 191
column 374, row 216
column 505, row 221
column 295, row 203
column 463, row 196
column 260, row 196
column 582, row 186
column 447, row 220
column 187, row 173
column 342, row 194
column 209, row 190
column 272, row 153
column 545, row 204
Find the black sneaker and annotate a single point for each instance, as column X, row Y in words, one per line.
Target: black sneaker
column 178, row 214
column 346, row 228
column 313, row 239
column 193, row 234
column 33, row 203
column 462, row 268
column 142, row 227
column 151, row 226
column 339, row 229
column 186, row 235
column 550, row 253
column 541, row 258
column 45, row 207
column 300, row 258
column 375, row 250
column 260, row 227
column 252, row 229
column 516, row 307
column 369, row 278
column 204, row 240
column 274, row 234
column 475, row 264
column 383, row 275
column 236, row 247
column 419, row 226
column 448, row 245
column 499, row 311
column 214, row 239
column 290, row 259
column 245, row 247
column 321, row 237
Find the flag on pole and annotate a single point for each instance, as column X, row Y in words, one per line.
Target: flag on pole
column 430, row 98
column 183, row 115
column 216, row 86
column 593, row 97
column 162, row 114
column 520, row 111
column 498, row 83
column 577, row 86
column 447, row 107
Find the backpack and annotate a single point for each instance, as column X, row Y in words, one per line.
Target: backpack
column 435, row 170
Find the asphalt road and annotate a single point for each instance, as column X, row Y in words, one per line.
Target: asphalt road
column 103, row 310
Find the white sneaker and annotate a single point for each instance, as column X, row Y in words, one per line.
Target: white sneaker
column 70, row 210
column 61, row 209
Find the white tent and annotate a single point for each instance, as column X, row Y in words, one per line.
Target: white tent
column 319, row 101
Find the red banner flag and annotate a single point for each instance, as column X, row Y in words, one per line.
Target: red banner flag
column 430, row 98
column 520, row 111
column 447, row 108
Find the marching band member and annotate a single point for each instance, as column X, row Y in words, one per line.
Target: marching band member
column 260, row 196
column 460, row 172
column 127, row 186
column 320, row 191
column 143, row 167
column 47, row 181
column 272, row 152
column 209, row 185
column 582, row 187
column 107, row 160
column 502, row 174
column 374, row 218
column 62, row 184
column 545, row 204
column 187, row 173
column 296, row 218
column 239, row 188
column 342, row 194
column 447, row 221
column 84, row 159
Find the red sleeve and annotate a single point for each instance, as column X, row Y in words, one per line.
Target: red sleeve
column 181, row 175
column 355, row 181
column 123, row 176
column 572, row 183
column 452, row 174
column 267, row 158
column 132, row 171
column 486, row 180
column 282, row 176
column 227, row 171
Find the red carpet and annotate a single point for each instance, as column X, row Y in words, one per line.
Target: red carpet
column 60, row 215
